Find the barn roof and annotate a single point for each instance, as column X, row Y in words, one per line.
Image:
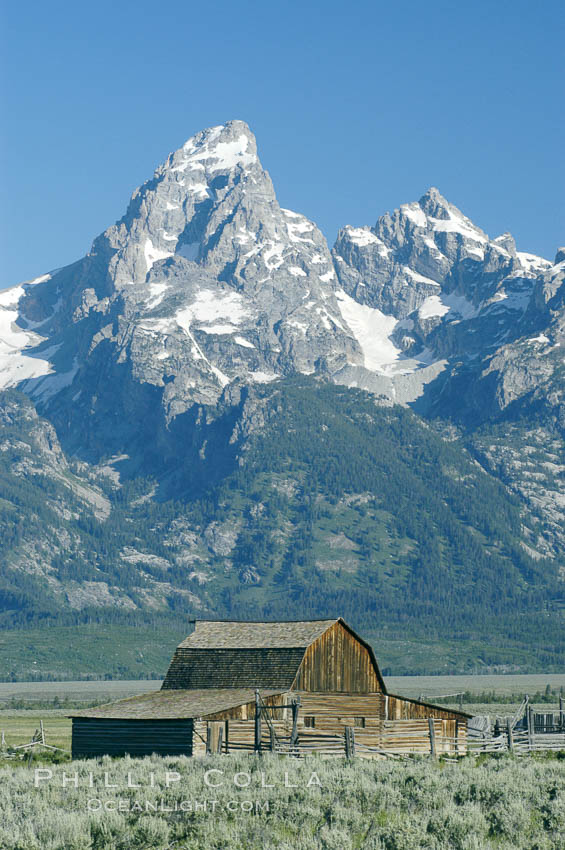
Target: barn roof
column 228, row 653
column 230, row 634
column 175, row 704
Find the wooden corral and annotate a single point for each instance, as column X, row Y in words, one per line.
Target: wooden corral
column 290, row 687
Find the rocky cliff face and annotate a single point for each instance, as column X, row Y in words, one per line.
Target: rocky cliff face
column 442, row 291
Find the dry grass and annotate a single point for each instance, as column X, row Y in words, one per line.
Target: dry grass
column 18, row 728
column 87, row 691
column 503, row 685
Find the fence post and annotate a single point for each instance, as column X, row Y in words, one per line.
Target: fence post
column 294, row 733
column 530, row 728
column 562, row 713
column 273, row 739
column 433, row 750
column 208, row 739
column 456, row 737
column 220, row 739
column 509, row 734
column 227, row 728
column 257, row 723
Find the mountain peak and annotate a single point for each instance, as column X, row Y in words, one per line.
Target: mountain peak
column 434, row 204
column 215, row 149
column 434, row 194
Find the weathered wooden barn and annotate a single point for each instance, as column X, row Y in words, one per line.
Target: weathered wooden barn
column 287, row 686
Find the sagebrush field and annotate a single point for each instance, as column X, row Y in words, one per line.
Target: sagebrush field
column 502, row 803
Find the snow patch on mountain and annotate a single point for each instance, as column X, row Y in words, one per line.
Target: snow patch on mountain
column 156, row 294
column 533, row 263
column 48, row 386
column 210, row 306
column 263, row 377
column 433, row 306
column 459, row 305
column 458, row 224
column 415, row 213
column 153, row 254
column 297, row 227
column 220, row 156
column 15, row 363
column 372, row 330
column 244, row 342
column 420, row 278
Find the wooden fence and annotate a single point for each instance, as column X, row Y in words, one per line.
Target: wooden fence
column 519, row 743
column 281, row 729
column 397, row 739
column 387, row 738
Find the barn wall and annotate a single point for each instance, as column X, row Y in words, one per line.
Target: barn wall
column 104, row 736
column 332, row 713
column 323, row 717
column 326, row 705
column 247, row 710
column 338, row 662
column 400, row 708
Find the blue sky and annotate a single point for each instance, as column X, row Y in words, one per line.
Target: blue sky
column 357, row 107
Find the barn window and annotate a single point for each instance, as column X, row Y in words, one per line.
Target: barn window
column 359, row 721
column 310, row 722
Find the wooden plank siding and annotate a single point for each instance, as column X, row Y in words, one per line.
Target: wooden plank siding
column 247, row 710
column 335, row 705
column 338, row 661
column 104, row 736
column 404, row 708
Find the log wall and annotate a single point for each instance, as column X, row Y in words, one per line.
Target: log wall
column 103, row 736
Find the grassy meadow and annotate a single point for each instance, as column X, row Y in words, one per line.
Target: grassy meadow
column 501, row 803
column 19, row 726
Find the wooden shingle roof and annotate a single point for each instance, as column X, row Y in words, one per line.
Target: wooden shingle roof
column 175, row 704
column 228, row 634
column 232, row 654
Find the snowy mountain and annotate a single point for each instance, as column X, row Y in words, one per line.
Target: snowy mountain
column 202, row 429
column 206, row 282
column 432, row 288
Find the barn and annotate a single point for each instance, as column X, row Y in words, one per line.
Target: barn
column 285, row 686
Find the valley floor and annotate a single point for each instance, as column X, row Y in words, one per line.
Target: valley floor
column 430, row 687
